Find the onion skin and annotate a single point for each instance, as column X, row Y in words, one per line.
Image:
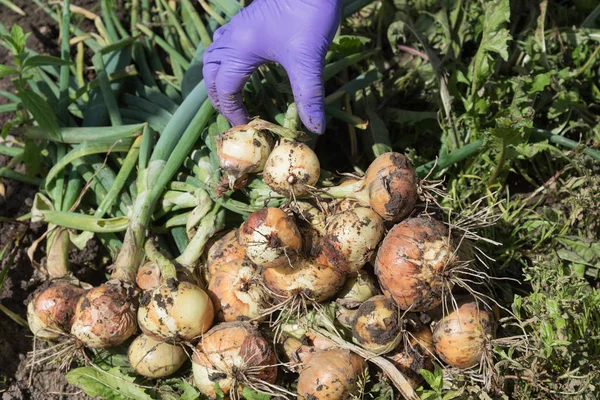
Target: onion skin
column 292, row 168
column 331, row 375
column 52, row 309
column 413, row 261
column 315, row 281
column 416, row 355
column 270, row 238
column 228, row 351
column 354, row 235
column 223, row 251
column 461, row 337
column 359, row 287
column 178, row 311
column 377, row 325
column 105, row 315
column 392, row 186
column 148, row 276
column 153, row 358
column 235, row 292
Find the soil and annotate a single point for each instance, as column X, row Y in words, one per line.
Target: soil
column 16, row 380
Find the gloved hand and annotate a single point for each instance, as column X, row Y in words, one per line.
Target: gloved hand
column 295, row 33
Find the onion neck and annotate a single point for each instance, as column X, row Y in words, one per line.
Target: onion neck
column 167, row 268
column 356, row 190
column 211, row 224
column 57, row 248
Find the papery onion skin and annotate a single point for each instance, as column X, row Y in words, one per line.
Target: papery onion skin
column 354, row 235
column 292, row 168
column 392, row 186
column 242, row 150
column 236, row 293
column 377, row 325
column 155, row 358
column 224, row 250
column 413, row 262
column 331, row 375
column 232, row 347
column 359, row 287
column 461, row 337
column 105, row 315
column 415, row 355
column 177, row 311
column 315, row 281
column 148, row 276
column 52, row 309
column 270, row 238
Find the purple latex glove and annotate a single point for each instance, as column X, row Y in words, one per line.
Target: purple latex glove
column 295, row 33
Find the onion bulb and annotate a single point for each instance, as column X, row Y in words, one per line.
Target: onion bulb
column 292, row 168
column 415, row 355
column 148, row 276
column 178, row 311
column 296, row 353
column 353, row 236
column 235, row 292
column 377, row 325
column 359, row 287
column 51, row 312
column 305, row 278
column 224, row 250
column 413, row 262
column 233, row 354
column 242, row 150
column 461, row 338
column 270, row 237
column 105, row 315
column 155, row 358
column 331, row 375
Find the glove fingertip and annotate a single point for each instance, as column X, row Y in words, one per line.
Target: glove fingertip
column 314, row 120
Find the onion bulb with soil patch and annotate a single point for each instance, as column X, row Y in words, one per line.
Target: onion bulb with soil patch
column 304, row 280
column 415, row 354
column 234, row 355
column 377, row 325
column 155, row 358
column 389, row 187
column 414, row 263
column 462, row 337
column 331, row 375
column 51, row 311
column 242, row 150
column 236, row 292
column 270, row 238
column 105, row 315
column 176, row 311
column 292, row 169
column 352, row 237
column 359, row 287
column 222, row 251
column 149, row 276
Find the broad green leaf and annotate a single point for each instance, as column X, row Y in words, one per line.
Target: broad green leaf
column 189, row 392
column 41, row 111
column 43, row 60
column 110, row 385
column 31, row 158
column 540, row 82
column 6, row 71
column 250, row 394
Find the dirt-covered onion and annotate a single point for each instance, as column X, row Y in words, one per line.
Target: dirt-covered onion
column 461, row 338
column 155, row 358
column 236, row 293
column 359, row 287
column 331, row 375
column 224, row 250
column 416, row 354
column 292, row 168
column 353, row 237
column 242, row 150
column 270, row 237
column 235, row 355
column 176, row 311
column 148, row 276
column 377, row 325
column 305, row 278
column 414, row 262
column 51, row 312
column 105, row 315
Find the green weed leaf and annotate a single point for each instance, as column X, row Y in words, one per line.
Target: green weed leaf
column 44, row 60
column 250, row 394
column 110, row 385
column 41, row 111
column 6, row 71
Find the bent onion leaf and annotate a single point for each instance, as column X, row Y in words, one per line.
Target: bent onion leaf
column 110, row 385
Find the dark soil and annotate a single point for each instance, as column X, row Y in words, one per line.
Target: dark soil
column 16, row 380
